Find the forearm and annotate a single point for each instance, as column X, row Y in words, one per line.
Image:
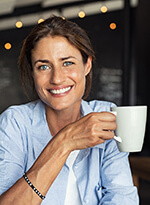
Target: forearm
column 41, row 174
column 117, row 183
column 45, row 170
column 89, row 131
column 121, row 195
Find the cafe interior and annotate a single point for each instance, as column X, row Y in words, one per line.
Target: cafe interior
column 120, row 34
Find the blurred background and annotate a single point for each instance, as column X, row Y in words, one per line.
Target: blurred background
column 119, row 31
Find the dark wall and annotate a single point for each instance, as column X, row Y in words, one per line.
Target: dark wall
column 108, row 46
column 143, row 62
column 11, row 91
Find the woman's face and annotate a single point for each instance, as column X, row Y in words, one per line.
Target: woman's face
column 59, row 72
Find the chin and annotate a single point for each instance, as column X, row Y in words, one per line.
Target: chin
column 63, row 102
column 58, row 106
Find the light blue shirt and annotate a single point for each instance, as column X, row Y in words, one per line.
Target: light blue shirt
column 103, row 173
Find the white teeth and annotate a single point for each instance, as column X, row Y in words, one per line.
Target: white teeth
column 63, row 90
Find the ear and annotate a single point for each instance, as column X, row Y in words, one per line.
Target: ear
column 88, row 65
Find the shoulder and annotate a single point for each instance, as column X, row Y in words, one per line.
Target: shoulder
column 98, row 106
column 20, row 113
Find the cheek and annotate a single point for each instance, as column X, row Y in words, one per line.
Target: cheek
column 36, row 81
column 39, row 80
column 39, row 84
column 77, row 75
column 79, row 79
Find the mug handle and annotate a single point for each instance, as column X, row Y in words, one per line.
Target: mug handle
column 117, row 138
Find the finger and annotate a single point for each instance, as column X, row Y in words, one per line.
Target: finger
column 110, row 126
column 105, row 116
column 104, row 126
column 106, row 135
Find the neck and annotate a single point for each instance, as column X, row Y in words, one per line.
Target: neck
column 59, row 119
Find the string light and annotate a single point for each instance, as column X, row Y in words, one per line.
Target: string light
column 19, row 24
column 40, row 20
column 113, row 26
column 104, row 9
column 81, row 14
column 7, row 46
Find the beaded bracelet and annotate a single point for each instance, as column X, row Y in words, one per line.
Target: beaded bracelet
column 31, row 185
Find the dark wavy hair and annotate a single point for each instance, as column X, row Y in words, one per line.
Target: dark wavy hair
column 54, row 26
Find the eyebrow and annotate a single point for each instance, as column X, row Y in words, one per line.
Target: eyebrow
column 65, row 58
column 47, row 61
column 42, row 61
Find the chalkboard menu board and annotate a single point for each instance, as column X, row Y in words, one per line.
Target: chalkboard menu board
column 11, row 91
column 107, row 82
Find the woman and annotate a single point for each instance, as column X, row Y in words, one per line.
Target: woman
column 63, row 144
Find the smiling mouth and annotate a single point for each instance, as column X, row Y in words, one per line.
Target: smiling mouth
column 60, row 91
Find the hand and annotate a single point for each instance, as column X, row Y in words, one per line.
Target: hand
column 91, row 130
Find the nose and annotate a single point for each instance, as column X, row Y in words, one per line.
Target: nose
column 57, row 76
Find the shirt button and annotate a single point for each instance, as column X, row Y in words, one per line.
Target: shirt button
column 76, row 167
column 86, row 201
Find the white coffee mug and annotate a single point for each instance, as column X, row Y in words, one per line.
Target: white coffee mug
column 131, row 125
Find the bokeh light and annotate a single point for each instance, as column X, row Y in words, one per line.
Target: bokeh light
column 104, row 9
column 81, row 14
column 113, row 26
column 7, row 46
column 40, row 20
column 19, row 24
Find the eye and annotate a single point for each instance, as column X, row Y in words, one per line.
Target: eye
column 43, row 67
column 68, row 63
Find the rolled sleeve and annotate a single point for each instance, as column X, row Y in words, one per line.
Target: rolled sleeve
column 117, row 183
column 11, row 151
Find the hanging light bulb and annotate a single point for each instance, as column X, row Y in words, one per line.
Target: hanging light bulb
column 113, row 26
column 81, row 14
column 19, row 24
column 104, row 9
column 7, row 46
column 40, row 20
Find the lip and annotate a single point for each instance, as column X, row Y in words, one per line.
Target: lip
column 60, row 91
